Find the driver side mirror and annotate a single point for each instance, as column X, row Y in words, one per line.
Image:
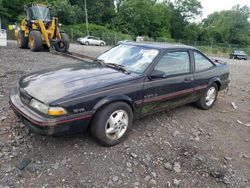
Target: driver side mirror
column 156, row 74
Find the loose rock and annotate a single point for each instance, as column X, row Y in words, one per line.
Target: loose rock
column 133, row 155
column 128, row 164
column 147, row 178
column 149, row 134
column 152, row 182
column 56, row 166
column 176, row 133
column 2, row 118
column 23, row 163
column 115, row 178
column 177, row 182
column 168, row 166
column 153, row 174
column 177, row 167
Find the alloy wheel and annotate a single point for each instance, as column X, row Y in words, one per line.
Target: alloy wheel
column 117, row 124
column 211, row 95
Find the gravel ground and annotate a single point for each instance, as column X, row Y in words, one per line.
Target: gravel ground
column 184, row 147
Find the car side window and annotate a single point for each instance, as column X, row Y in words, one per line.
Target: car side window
column 201, row 62
column 172, row 63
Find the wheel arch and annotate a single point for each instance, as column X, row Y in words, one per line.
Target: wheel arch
column 111, row 99
column 215, row 80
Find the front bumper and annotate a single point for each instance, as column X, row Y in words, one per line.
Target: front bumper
column 48, row 125
column 240, row 57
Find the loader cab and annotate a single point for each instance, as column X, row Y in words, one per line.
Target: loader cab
column 37, row 12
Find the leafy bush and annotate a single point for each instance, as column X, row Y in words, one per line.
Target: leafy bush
column 215, row 50
column 111, row 37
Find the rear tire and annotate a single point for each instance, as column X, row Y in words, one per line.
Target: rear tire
column 101, row 44
column 208, row 98
column 22, row 40
column 66, row 41
column 35, row 41
column 112, row 123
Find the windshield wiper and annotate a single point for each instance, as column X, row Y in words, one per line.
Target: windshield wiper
column 101, row 62
column 118, row 67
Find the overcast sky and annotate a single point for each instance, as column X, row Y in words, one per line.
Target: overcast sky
column 209, row 6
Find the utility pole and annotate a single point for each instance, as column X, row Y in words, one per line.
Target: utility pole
column 0, row 16
column 86, row 16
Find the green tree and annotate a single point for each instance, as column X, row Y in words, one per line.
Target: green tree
column 230, row 26
column 193, row 32
column 67, row 13
column 3, row 11
column 14, row 8
column 143, row 17
column 182, row 11
column 99, row 11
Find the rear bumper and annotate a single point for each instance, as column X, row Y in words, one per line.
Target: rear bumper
column 46, row 125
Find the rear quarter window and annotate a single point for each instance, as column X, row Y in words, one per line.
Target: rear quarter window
column 201, row 62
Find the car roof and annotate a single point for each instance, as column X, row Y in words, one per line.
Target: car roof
column 158, row 45
column 90, row 36
column 239, row 51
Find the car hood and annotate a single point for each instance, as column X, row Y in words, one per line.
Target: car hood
column 51, row 85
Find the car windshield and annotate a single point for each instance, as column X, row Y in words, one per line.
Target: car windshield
column 240, row 52
column 134, row 58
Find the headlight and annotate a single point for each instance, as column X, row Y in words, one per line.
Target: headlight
column 53, row 111
column 39, row 106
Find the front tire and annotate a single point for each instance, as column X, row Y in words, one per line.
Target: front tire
column 35, row 41
column 86, row 43
column 208, row 98
column 101, row 44
column 112, row 123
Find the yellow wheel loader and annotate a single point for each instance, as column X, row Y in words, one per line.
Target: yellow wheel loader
column 37, row 31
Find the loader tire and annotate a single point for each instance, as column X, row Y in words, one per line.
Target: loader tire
column 60, row 46
column 35, row 41
column 22, row 40
column 66, row 41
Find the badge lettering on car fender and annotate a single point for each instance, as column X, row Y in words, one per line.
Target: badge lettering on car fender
column 79, row 110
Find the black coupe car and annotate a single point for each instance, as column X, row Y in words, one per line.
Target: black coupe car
column 237, row 54
column 128, row 81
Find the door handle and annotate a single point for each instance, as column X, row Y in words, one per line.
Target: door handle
column 188, row 79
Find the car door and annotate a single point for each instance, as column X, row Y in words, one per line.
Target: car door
column 91, row 41
column 96, row 41
column 171, row 82
column 203, row 73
